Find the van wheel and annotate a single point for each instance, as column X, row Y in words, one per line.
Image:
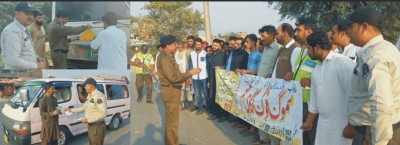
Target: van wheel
column 64, row 136
column 114, row 123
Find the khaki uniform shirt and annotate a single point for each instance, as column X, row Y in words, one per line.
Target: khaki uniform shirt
column 38, row 38
column 17, row 49
column 375, row 94
column 58, row 34
column 168, row 70
column 95, row 107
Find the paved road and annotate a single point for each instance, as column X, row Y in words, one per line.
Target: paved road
column 147, row 126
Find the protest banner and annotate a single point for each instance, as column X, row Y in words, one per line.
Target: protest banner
column 272, row 105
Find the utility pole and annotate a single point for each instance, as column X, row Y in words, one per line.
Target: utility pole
column 53, row 10
column 207, row 22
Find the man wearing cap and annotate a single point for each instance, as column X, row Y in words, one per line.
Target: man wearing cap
column 171, row 82
column 58, row 41
column 17, row 47
column 304, row 66
column 111, row 43
column 38, row 35
column 142, row 74
column 95, row 109
column 374, row 102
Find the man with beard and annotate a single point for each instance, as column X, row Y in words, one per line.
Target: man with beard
column 329, row 95
column 58, row 40
column 49, row 113
column 217, row 59
column 231, row 45
column 38, row 35
column 182, row 61
column 17, row 48
column 199, row 59
column 304, row 67
column 190, row 43
column 240, row 56
column 111, row 43
column 285, row 64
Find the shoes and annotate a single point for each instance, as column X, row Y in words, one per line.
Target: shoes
column 193, row 109
column 238, row 125
column 231, row 119
column 149, row 102
column 212, row 118
column 199, row 112
column 222, row 119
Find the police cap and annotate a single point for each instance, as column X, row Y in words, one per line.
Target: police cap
column 169, row 39
column 306, row 21
column 62, row 13
column 90, row 81
column 366, row 14
column 25, row 7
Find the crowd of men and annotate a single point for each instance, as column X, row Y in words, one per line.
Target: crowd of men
column 349, row 77
column 23, row 40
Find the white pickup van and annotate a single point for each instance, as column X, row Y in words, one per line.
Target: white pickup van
column 21, row 117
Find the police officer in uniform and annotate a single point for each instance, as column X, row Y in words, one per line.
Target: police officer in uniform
column 17, row 48
column 142, row 75
column 171, row 83
column 304, row 66
column 58, row 40
column 374, row 102
column 95, row 109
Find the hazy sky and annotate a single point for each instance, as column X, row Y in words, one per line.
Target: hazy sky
column 232, row 16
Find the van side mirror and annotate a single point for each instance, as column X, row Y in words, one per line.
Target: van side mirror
column 24, row 95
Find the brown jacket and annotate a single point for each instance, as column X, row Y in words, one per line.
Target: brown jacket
column 58, row 34
column 50, row 130
column 168, row 70
column 38, row 38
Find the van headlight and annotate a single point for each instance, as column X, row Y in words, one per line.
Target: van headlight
column 21, row 127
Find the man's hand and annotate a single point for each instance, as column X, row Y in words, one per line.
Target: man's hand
column 288, row 76
column 239, row 71
column 349, row 131
column 305, row 82
column 41, row 59
column 268, row 76
column 67, row 109
column 306, row 126
column 208, row 85
column 56, row 112
column 84, row 120
column 41, row 65
column 195, row 71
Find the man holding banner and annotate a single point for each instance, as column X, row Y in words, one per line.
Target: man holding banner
column 304, row 67
column 329, row 94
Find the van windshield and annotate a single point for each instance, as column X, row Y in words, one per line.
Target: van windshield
column 31, row 89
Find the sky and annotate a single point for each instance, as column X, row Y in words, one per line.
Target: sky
column 232, row 16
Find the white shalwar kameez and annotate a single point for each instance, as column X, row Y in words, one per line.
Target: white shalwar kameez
column 330, row 85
